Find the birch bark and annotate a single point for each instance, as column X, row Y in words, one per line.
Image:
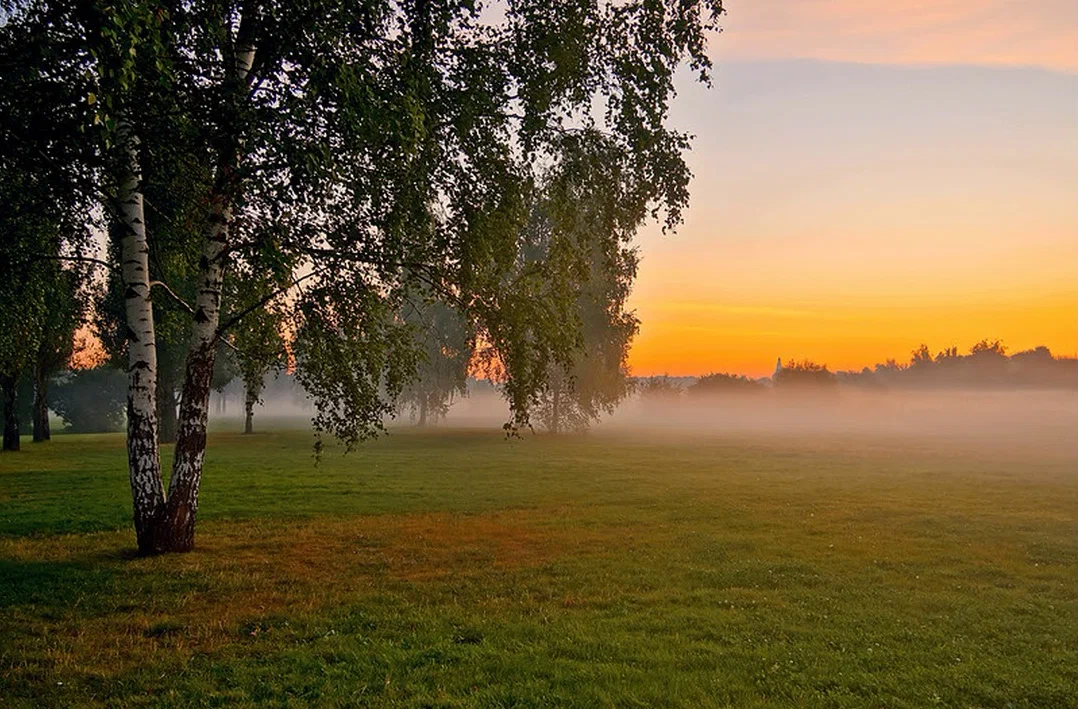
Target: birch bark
column 178, row 528
column 144, row 464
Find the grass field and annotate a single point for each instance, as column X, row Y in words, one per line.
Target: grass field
column 456, row 568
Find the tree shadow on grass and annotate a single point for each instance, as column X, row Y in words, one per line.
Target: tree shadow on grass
column 56, row 584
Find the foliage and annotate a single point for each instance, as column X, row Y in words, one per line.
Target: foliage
column 41, row 299
column 804, row 375
column 986, row 366
column 722, row 383
column 591, row 378
column 384, row 142
column 91, row 400
column 25, row 279
column 65, row 312
column 446, row 351
column 659, row 389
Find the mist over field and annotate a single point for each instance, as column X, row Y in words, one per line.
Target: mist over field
column 1044, row 419
column 1050, row 417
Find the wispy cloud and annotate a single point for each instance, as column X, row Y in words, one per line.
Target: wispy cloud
column 983, row 32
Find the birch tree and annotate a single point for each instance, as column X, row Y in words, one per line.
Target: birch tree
column 353, row 152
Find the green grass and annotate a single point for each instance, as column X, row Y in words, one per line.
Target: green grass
column 460, row 569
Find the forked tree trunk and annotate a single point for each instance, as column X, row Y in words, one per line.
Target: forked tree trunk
column 177, row 529
column 9, row 385
column 249, row 410
column 41, row 404
column 144, row 464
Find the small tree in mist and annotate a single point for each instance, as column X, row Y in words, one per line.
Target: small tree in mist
column 446, row 346
column 595, row 379
column 595, row 382
column 259, row 349
column 661, row 389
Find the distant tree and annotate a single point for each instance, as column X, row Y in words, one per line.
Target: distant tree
column 890, row 365
column 659, row 389
column 91, row 400
column 446, row 346
column 1037, row 354
column 921, row 357
column 986, row 348
column 947, row 354
column 722, row 383
column 594, row 376
column 260, row 348
column 64, row 314
column 41, row 299
column 595, row 381
column 805, row 375
column 226, row 369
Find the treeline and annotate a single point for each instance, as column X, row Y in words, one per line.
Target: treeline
column 986, row 366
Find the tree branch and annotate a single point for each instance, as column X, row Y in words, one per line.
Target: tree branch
column 79, row 259
column 221, row 329
column 172, row 293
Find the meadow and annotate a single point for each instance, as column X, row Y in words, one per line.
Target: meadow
column 457, row 568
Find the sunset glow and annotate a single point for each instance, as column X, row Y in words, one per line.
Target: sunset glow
column 909, row 180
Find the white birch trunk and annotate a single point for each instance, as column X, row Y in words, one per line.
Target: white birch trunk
column 144, row 464
column 190, row 448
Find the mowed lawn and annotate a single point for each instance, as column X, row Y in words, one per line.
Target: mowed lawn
column 457, row 568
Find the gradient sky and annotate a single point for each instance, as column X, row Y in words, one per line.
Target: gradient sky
column 870, row 176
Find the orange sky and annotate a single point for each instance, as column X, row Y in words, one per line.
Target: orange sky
column 868, row 178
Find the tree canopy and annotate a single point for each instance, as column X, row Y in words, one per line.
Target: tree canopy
column 343, row 154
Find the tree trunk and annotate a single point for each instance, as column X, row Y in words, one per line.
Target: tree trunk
column 41, row 404
column 143, row 461
column 555, row 413
column 9, row 385
column 177, row 529
column 249, row 410
column 422, row 411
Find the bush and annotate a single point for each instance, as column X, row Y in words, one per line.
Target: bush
column 91, row 400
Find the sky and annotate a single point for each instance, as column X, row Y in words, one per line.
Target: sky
column 870, row 176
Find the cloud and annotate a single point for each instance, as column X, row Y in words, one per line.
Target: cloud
column 981, row 32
